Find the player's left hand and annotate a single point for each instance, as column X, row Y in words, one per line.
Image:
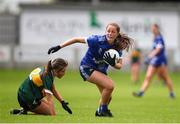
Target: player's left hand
column 107, row 58
column 65, row 107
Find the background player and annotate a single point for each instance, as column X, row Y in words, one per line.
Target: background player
column 135, row 59
column 36, row 93
column 93, row 67
column 157, row 62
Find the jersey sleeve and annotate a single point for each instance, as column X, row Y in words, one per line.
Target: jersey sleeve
column 159, row 43
column 36, row 77
column 92, row 40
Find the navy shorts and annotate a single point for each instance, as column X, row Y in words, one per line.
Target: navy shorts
column 85, row 71
column 158, row 61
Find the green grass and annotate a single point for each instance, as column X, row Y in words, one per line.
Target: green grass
column 155, row 106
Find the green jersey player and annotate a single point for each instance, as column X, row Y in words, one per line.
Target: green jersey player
column 36, row 92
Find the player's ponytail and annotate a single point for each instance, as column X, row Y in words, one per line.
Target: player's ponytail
column 48, row 68
column 123, row 42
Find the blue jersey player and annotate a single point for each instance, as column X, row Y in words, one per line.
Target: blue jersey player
column 93, row 67
column 157, row 63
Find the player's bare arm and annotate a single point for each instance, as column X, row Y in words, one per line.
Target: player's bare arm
column 72, row 41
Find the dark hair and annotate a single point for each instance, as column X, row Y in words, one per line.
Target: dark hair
column 122, row 41
column 115, row 25
column 56, row 64
column 156, row 25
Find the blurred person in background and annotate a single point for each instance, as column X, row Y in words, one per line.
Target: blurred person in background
column 94, row 65
column 135, row 59
column 157, row 62
column 36, row 93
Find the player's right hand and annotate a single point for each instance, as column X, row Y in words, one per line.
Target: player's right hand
column 54, row 49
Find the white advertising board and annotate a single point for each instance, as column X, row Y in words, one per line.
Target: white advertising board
column 5, row 53
column 54, row 26
column 34, row 53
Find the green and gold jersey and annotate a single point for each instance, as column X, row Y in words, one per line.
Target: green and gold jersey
column 31, row 88
column 135, row 55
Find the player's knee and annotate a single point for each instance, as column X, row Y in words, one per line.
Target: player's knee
column 51, row 110
column 110, row 86
column 148, row 78
column 51, row 113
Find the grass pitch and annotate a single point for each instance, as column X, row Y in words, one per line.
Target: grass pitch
column 154, row 107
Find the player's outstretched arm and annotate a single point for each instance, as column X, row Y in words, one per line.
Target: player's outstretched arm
column 66, row 43
column 72, row 41
column 60, row 99
column 56, row 94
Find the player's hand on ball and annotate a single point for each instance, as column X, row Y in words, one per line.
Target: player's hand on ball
column 65, row 107
column 54, row 49
column 107, row 58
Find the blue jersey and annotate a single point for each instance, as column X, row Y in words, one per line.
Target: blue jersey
column 160, row 58
column 93, row 58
